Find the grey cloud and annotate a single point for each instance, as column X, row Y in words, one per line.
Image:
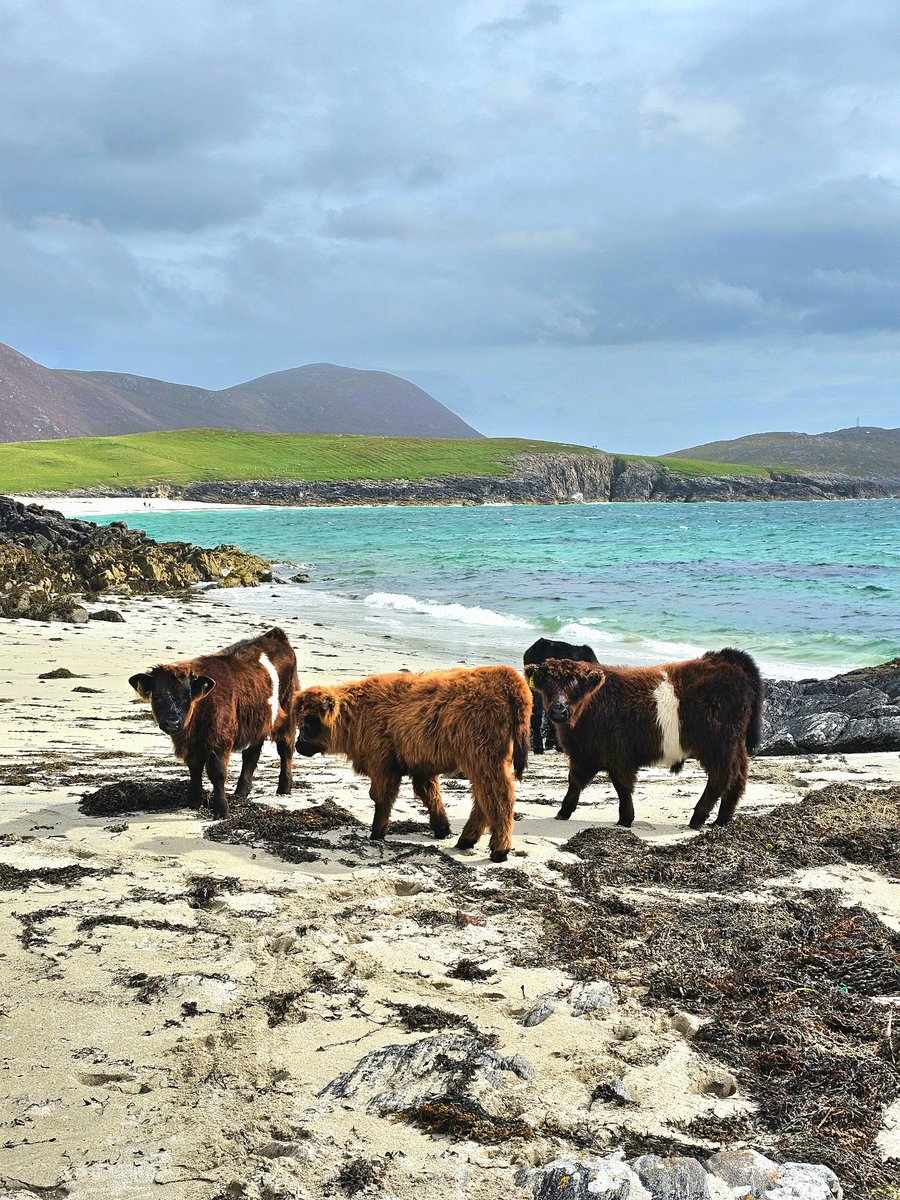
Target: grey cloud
column 532, row 15
column 215, row 190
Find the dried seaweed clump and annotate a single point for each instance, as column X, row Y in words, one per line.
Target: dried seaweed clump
column 288, row 834
column 840, row 823
column 459, row 1118
column 136, row 795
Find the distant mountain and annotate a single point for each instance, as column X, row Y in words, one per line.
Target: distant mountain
column 866, row 451
column 37, row 402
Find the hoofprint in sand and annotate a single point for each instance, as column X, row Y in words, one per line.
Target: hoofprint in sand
column 204, row 1016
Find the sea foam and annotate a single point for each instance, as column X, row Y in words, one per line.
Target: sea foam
column 466, row 614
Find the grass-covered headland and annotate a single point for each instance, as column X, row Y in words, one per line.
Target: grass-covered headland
column 197, row 455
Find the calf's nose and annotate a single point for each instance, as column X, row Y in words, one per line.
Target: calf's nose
column 172, row 726
column 558, row 712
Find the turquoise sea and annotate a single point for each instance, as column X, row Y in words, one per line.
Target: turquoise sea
column 808, row 588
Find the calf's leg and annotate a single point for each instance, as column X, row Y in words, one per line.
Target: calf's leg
column 734, row 790
column 384, row 789
column 623, row 782
column 475, row 826
column 580, row 775
column 494, row 798
column 428, row 790
column 217, row 770
column 249, row 759
column 716, row 782
column 195, row 789
column 285, row 747
column 537, row 718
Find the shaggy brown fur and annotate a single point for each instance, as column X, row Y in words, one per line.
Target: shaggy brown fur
column 224, row 702
column 471, row 721
column 618, row 719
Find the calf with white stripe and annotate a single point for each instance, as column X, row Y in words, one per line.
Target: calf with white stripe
column 619, row 719
column 233, row 700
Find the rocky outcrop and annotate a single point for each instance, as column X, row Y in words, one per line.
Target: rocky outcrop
column 535, row 479
column 728, row 1174
column 49, row 562
column 856, row 712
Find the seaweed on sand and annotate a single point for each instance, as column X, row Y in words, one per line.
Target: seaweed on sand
column 289, row 834
column 789, row 982
column 136, row 795
column 840, row 823
column 424, row 1018
column 18, row 878
column 280, row 1005
column 459, row 1118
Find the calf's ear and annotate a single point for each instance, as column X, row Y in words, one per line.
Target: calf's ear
column 596, row 678
column 531, row 675
column 201, row 685
column 329, row 704
column 142, row 684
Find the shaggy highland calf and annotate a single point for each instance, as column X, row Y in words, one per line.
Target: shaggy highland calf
column 469, row 722
column 233, row 700
column 618, row 719
column 542, row 734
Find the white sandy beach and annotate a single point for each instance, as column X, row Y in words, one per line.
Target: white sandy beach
column 137, row 1050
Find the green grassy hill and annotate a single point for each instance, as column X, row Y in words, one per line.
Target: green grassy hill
column 194, row 455
column 864, row 451
column 197, row 455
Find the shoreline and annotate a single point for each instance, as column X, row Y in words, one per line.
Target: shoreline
column 188, row 1042
column 495, row 633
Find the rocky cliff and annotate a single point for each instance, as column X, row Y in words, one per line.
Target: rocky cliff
column 48, row 562
column 535, row 479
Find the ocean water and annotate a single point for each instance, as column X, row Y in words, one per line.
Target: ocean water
column 808, row 588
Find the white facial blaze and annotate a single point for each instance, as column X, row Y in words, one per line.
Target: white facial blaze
column 267, row 665
column 669, row 724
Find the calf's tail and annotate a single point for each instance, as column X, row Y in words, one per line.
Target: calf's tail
column 746, row 664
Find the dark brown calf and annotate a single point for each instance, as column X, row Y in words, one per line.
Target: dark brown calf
column 619, row 719
column 473, row 722
column 542, row 734
column 233, row 700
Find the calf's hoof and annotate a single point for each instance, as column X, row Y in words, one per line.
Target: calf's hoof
column 537, row 749
column 376, row 836
column 283, row 789
column 219, row 812
column 465, row 844
column 722, row 821
column 441, row 831
column 499, row 855
column 625, row 822
column 564, row 814
column 697, row 822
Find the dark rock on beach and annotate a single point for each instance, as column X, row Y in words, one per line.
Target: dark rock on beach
column 851, row 713
column 48, row 561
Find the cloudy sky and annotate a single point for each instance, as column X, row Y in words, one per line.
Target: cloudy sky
column 638, row 224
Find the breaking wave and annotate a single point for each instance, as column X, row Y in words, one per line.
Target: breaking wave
column 465, row 614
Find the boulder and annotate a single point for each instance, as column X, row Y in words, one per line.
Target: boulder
column 608, row 1178
column 589, row 997
column 851, row 713
column 678, row 1178
column 106, row 614
column 460, row 1063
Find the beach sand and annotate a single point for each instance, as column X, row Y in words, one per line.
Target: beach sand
column 166, row 1035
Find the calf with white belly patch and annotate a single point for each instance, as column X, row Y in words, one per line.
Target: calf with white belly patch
column 233, row 700
column 619, row 719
